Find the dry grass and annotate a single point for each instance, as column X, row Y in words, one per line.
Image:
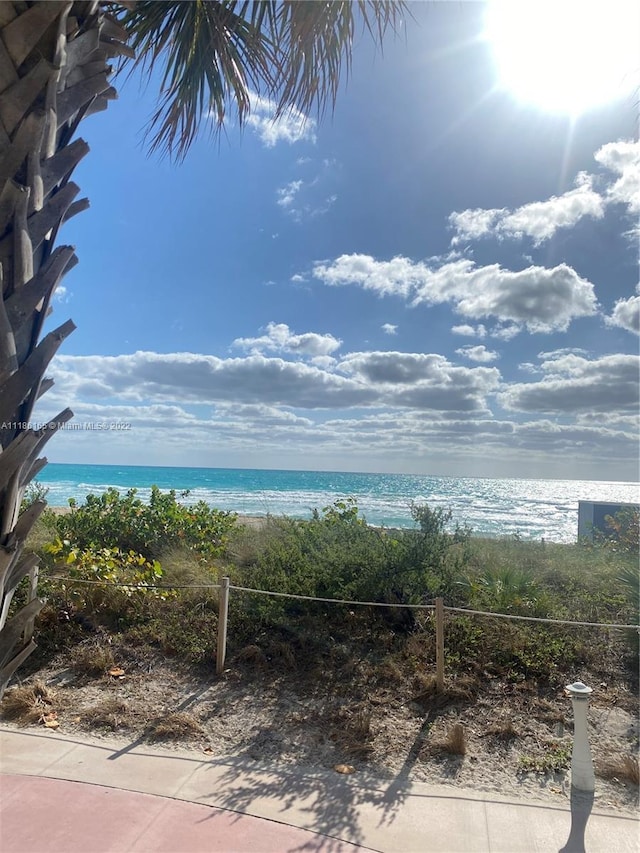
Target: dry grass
column 250, row 537
column 40, row 534
column 111, row 713
column 454, row 741
column 283, row 656
column 93, row 659
column 503, row 729
column 177, row 726
column 462, row 689
column 28, row 703
column 351, row 731
column 182, row 567
column 389, row 670
column 253, row 656
column 547, row 712
column 420, row 646
column 622, row 767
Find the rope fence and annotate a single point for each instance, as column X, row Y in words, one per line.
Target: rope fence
column 225, row 587
column 402, row 605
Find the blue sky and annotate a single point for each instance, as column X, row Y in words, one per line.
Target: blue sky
column 440, row 277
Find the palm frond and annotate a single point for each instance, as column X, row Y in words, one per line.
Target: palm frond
column 213, row 54
column 210, row 56
column 314, row 42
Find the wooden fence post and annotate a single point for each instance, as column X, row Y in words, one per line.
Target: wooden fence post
column 439, row 645
column 223, row 612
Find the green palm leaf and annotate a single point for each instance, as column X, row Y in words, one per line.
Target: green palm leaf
column 215, row 53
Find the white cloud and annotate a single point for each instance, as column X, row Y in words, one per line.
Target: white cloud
column 61, row 294
column 293, row 198
column 395, row 368
column 325, row 362
column 540, row 299
column 555, row 354
column 479, row 354
column 389, row 329
column 393, row 407
column 279, row 338
column 184, row 378
column 474, row 223
column 292, row 126
column 611, row 419
column 298, row 278
column 626, row 314
column 574, row 385
column 286, row 195
column 262, row 415
column 422, row 380
column 310, row 210
column 377, row 379
column 467, row 331
column 395, row 277
column 328, row 202
column 539, row 220
column 506, row 332
column 623, row 158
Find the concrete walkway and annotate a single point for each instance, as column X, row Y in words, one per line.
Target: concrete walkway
column 60, row 793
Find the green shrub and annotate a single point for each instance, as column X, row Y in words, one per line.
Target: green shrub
column 623, row 532
column 184, row 627
column 508, row 589
column 333, row 555
column 126, row 522
column 337, row 555
column 105, row 583
column 34, row 492
column 434, row 557
column 552, row 757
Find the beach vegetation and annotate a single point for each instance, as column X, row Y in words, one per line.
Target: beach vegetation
column 100, row 579
column 183, row 628
column 620, row 767
column 110, row 713
column 551, row 757
column 353, row 651
column 337, row 555
column 34, row 492
column 506, row 589
column 89, row 573
column 453, row 742
column 92, row 659
column 28, row 703
column 623, row 532
column 149, row 528
column 346, row 674
column 175, row 726
column 351, row 730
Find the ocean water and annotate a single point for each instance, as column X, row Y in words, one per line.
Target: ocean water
column 532, row 509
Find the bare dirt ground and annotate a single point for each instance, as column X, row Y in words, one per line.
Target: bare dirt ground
column 505, row 739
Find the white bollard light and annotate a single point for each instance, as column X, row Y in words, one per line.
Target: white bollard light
column 582, row 775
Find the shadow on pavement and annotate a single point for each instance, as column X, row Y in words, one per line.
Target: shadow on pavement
column 581, row 806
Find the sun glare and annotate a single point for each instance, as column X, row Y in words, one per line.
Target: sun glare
column 566, row 56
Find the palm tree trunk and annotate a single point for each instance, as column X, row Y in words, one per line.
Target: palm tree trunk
column 54, row 71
